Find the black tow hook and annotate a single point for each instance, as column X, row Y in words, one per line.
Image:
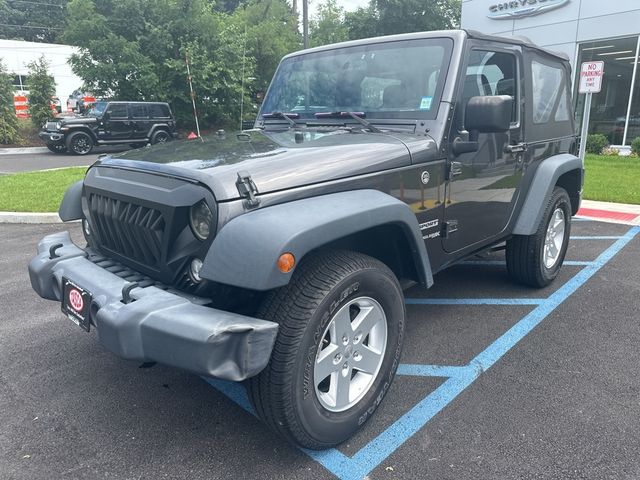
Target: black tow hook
column 126, row 292
column 52, row 250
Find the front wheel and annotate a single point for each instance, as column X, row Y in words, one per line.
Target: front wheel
column 79, row 143
column 535, row 260
column 341, row 320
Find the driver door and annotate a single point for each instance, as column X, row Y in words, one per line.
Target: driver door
column 482, row 186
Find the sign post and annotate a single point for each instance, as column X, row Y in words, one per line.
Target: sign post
column 590, row 82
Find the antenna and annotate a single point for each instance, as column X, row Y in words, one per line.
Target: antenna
column 193, row 95
column 244, row 51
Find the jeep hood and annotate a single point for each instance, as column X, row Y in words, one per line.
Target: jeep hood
column 276, row 160
column 75, row 120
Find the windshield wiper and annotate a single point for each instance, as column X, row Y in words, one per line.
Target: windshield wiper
column 286, row 116
column 357, row 116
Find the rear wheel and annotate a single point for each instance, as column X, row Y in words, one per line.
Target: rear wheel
column 341, row 323
column 160, row 136
column 79, row 143
column 536, row 259
column 57, row 148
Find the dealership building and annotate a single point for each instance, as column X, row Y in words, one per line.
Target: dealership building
column 584, row 30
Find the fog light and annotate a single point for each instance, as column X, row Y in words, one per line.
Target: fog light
column 194, row 270
column 85, row 227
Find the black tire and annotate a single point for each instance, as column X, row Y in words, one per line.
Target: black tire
column 525, row 253
column 284, row 393
column 160, row 136
column 79, row 143
column 57, row 148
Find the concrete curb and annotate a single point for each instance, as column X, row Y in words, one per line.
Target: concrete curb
column 23, row 150
column 29, row 217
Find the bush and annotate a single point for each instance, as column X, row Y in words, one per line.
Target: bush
column 41, row 87
column 635, row 146
column 596, row 143
column 8, row 119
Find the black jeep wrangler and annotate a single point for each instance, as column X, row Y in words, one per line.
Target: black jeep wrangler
column 280, row 254
column 111, row 123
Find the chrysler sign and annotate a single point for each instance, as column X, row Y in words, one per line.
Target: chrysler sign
column 522, row 8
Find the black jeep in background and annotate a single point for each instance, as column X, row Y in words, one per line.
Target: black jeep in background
column 109, row 123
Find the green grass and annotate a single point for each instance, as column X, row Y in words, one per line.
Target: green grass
column 37, row 191
column 612, row 179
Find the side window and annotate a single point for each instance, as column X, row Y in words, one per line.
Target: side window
column 157, row 110
column 548, row 93
column 138, row 110
column 491, row 73
column 118, row 110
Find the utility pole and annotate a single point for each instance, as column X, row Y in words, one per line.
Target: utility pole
column 305, row 23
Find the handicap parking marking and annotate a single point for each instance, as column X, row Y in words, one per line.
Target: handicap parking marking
column 458, row 378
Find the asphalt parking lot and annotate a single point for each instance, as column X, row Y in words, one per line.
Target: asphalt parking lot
column 497, row 381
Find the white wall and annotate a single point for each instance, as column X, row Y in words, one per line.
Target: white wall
column 562, row 28
column 16, row 54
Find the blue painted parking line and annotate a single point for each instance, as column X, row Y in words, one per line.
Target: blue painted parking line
column 597, row 237
column 416, row 370
column 458, row 377
column 474, row 301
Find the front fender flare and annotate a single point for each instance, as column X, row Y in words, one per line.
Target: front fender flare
column 71, row 205
column 544, row 180
column 245, row 251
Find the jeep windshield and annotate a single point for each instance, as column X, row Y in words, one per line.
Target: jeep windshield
column 97, row 109
column 392, row 80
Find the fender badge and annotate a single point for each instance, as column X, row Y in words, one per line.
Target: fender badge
column 425, row 177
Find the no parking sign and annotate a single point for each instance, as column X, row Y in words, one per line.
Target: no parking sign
column 591, row 74
column 591, row 77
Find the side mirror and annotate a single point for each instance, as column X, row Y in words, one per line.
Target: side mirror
column 486, row 114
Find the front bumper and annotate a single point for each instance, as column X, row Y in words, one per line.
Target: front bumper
column 157, row 325
column 51, row 137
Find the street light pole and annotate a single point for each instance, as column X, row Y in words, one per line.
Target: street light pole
column 305, row 23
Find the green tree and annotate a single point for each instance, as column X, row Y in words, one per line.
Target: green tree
column 272, row 32
column 8, row 119
column 135, row 50
column 42, row 87
column 328, row 26
column 33, row 21
column 388, row 17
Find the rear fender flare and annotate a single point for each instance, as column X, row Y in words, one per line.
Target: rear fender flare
column 544, row 180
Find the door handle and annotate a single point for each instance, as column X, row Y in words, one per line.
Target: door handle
column 517, row 148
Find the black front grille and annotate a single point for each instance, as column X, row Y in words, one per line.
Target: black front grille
column 129, row 230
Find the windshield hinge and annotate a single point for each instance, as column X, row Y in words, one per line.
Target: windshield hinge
column 247, row 189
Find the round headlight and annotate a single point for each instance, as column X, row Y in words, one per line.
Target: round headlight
column 201, row 220
column 58, row 125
